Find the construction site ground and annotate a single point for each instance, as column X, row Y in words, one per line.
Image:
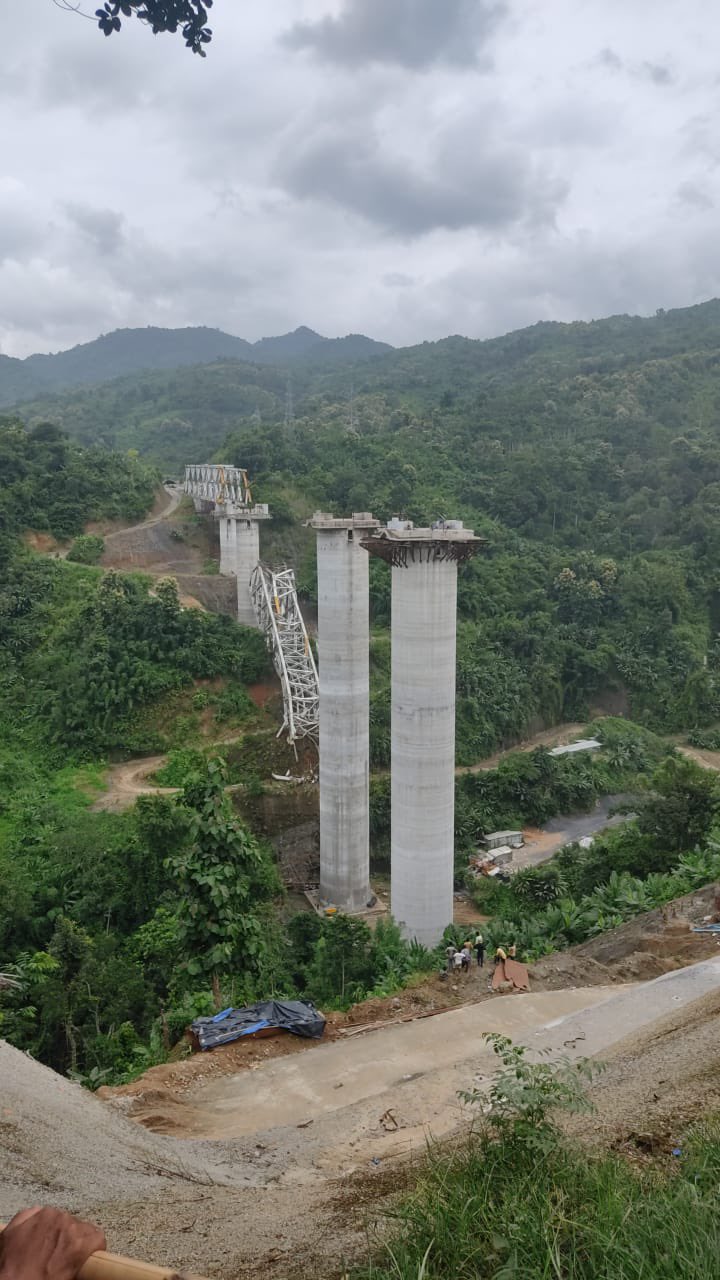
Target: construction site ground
column 280, row 1155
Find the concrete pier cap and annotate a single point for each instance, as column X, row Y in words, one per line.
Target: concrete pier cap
column 358, row 520
column 239, row 530
column 235, row 511
column 344, row 675
column 424, row 565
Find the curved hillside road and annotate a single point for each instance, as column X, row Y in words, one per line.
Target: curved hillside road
column 567, row 828
column 175, row 496
column 126, row 781
column 255, row 1203
column 558, row 736
column 383, row 1093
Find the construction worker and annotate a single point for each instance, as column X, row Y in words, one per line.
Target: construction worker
column 46, row 1244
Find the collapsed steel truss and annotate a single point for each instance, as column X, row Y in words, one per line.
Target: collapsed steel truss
column 218, row 484
column 278, row 614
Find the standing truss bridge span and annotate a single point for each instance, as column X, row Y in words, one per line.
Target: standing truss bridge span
column 275, row 601
column 218, row 484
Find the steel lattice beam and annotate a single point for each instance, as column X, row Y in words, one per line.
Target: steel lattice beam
column 218, row 484
column 276, row 607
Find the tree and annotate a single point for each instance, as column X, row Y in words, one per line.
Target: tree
column 342, row 966
column 161, row 15
column 682, row 807
column 224, row 881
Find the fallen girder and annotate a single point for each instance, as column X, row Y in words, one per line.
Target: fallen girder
column 274, row 598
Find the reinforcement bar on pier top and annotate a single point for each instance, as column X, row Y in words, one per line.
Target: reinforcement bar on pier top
column 424, row 608
column 400, row 543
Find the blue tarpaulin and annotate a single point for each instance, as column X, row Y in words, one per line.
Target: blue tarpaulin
column 299, row 1017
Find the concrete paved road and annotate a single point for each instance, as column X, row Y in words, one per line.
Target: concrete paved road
column 333, row 1076
column 327, row 1108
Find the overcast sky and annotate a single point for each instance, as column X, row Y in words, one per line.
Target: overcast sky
column 402, row 168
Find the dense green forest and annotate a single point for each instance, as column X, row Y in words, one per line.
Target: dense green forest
column 588, row 455
column 85, row 657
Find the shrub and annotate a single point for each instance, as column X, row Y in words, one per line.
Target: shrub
column 87, row 549
column 525, row 1097
column 706, row 739
column 181, row 767
column 538, row 885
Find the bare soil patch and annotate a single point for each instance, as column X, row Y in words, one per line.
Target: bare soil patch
column 656, row 1084
column 708, row 759
column 42, row 542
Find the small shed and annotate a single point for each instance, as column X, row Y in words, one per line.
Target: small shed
column 571, row 748
column 497, row 839
column 501, row 855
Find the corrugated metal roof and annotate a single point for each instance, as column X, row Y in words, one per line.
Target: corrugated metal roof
column 585, row 744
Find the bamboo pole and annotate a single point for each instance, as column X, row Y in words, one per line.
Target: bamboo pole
column 113, row 1266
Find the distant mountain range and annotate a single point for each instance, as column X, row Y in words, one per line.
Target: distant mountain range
column 129, row 351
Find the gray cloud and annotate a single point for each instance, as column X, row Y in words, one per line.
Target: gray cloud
column 317, row 178
column 407, row 33
column 658, row 73
column 689, row 193
column 398, row 280
column 103, row 228
column 464, row 182
column 21, row 234
column 609, row 58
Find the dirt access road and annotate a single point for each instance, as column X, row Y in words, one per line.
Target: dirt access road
column 707, row 759
column 166, row 504
column 126, row 781
column 174, row 495
column 328, row 1133
column 409, row 1068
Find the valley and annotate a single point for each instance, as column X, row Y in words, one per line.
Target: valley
column 140, row 749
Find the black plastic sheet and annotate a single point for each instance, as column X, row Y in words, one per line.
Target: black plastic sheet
column 299, row 1017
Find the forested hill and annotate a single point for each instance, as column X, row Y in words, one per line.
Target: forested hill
column 48, row 484
column 550, row 349
column 617, row 379
column 128, row 351
column 589, row 454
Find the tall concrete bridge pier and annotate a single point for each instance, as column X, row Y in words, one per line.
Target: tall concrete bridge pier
column 225, row 491
column 424, row 606
column 240, row 551
column 344, row 672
